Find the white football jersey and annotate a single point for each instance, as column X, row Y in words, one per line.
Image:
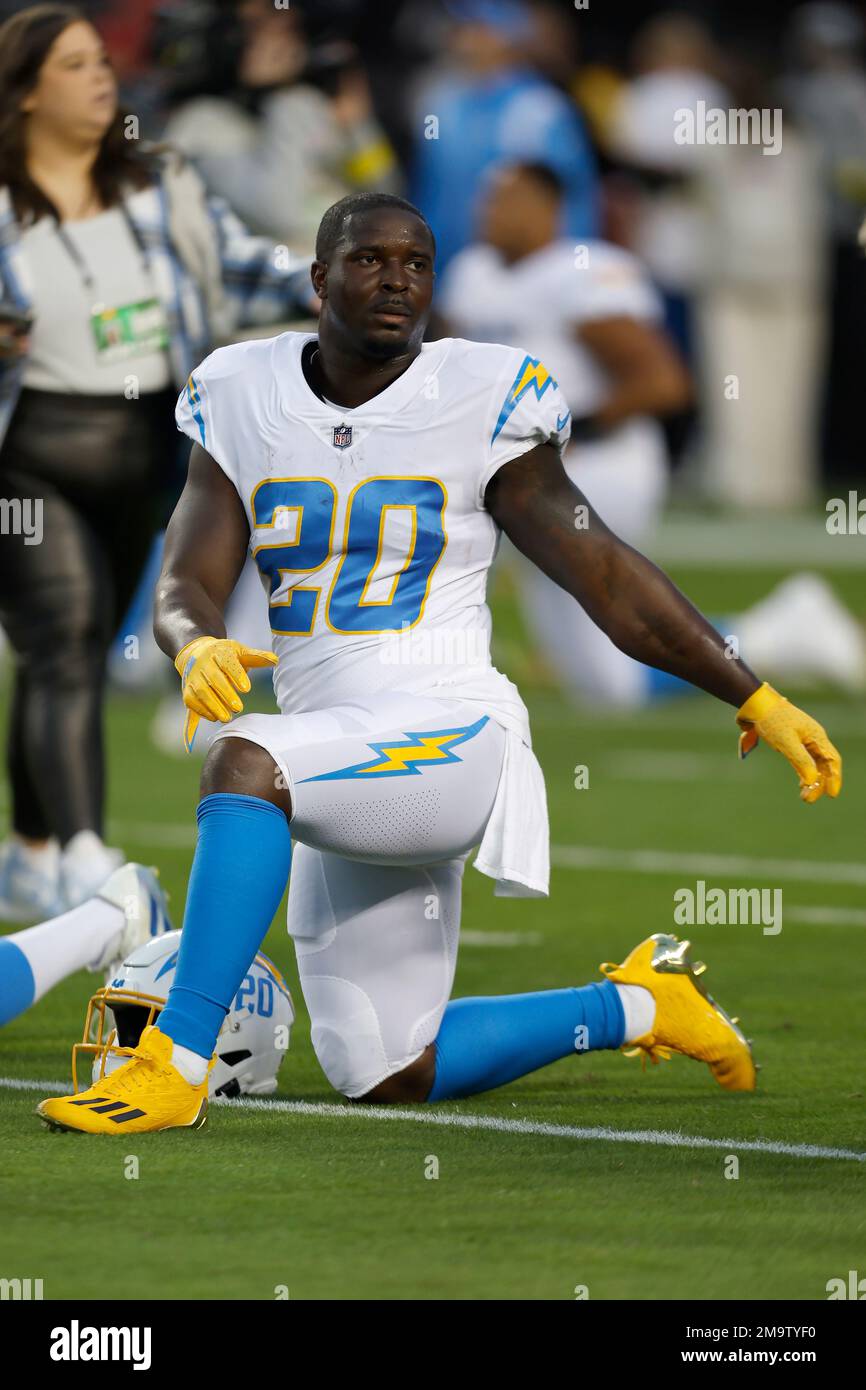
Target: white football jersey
column 368, row 525
column 542, row 298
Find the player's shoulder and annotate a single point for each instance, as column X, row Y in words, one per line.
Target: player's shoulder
column 500, row 372
column 251, row 359
column 606, row 263
column 608, row 259
column 235, row 391
column 568, row 254
column 484, row 363
column 473, row 270
column 515, row 391
column 477, row 257
column 596, row 279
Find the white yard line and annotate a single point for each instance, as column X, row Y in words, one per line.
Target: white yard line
column 655, row 765
column 670, row 719
column 660, row 1138
column 471, row 937
column 158, row 834
column 17, row 1083
column 827, row 916
column 658, row 861
column 730, row 541
column 638, row 861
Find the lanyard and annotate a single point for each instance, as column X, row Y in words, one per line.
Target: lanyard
column 80, row 263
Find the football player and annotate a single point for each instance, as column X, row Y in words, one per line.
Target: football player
column 129, row 910
column 590, row 312
column 371, row 475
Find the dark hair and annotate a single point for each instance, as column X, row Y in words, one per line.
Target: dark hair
column 541, row 174
column 25, row 40
column 333, row 223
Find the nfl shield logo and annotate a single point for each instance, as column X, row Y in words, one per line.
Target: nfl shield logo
column 342, row 436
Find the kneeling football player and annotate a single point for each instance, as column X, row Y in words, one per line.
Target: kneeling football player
column 371, row 476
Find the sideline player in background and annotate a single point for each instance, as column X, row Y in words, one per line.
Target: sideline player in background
column 129, row 910
column 371, row 476
column 590, row 313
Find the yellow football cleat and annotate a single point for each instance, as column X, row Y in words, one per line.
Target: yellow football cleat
column 687, row 1020
column 142, row 1095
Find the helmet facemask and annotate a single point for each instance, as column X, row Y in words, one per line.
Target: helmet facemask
column 252, row 1041
column 110, row 1046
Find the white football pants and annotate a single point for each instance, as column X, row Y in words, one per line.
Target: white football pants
column 380, row 845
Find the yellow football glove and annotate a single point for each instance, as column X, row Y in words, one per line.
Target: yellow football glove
column 797, row 736
column 212, row 670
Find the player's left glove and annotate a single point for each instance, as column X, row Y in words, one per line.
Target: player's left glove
column 797, row 736
column 212, row 670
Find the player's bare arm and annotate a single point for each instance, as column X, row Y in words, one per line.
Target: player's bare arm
column 550, row 521
column 205, row 548
column 642, row 611
column 646, row 374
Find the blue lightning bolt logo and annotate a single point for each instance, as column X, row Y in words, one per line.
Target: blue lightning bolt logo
column 533, row 375
column 406, row 757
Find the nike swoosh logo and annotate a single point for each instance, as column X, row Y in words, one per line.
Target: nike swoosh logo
column 561, row 423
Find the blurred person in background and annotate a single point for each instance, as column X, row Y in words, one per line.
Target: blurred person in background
column 556, row 50
column 760, row 309
column 117, row 274
column 675, row 64
column 826, row 93
column 590, row 314
column 487, row 105
column 296, row 134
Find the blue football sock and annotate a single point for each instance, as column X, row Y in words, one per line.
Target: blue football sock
column 17, row 988
column 484, row 1043
column 239, row 872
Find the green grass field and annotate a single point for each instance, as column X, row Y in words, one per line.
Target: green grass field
column 336, row 1205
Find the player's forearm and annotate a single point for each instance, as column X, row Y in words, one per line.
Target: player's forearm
column 649, row 619
column 642, row 612
column 645, row 374
column 657, row 394
column 182, row 611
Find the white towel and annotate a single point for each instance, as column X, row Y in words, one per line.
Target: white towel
column 515, row 849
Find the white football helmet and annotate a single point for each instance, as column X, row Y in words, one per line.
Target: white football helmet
column 251, row 1044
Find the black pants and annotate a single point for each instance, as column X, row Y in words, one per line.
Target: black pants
column 96, row 464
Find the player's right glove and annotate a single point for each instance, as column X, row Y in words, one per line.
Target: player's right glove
column 796, row 735
column 212, row 670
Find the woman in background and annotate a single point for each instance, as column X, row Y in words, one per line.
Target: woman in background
column 117, row 273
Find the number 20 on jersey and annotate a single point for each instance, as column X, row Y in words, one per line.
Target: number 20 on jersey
column 348, row 608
